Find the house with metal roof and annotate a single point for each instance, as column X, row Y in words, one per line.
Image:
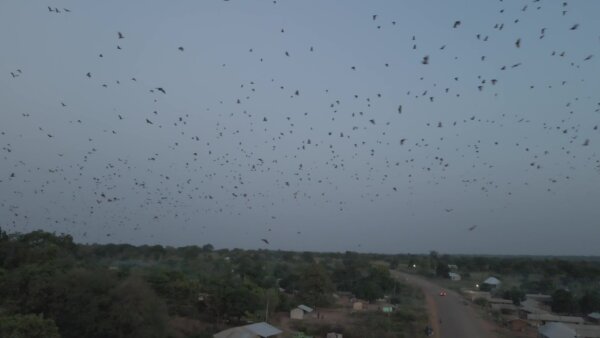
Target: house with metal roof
column 300, row 311
column 543, row 318
column 256, row 330
column 454, row 276
column 556, row 330
column 586, row 331
column 492, row 281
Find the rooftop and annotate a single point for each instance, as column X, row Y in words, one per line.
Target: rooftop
column 556, row 330
column 249, row 331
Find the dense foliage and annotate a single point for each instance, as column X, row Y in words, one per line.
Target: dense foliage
column 118, row 290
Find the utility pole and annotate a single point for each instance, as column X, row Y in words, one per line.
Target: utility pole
column 267, row 310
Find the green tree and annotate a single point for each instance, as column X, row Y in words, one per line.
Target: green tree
column 590, row 301
column 315, row 285
column 27, row 326
column 515, row 294
column 136, row 311
column 562, row 301
column 442, row 270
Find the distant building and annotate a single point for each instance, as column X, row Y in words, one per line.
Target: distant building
column 454, row 276
column 453, row 267
column 586, row 331
column 299, row 312
column 387, row 308
column 545, row 318
column 334, row 335
column 256, row 330
column 357, row 305
column 492, row 282
column 531, row 305
column 594, row 317
column 556, row 330
column 296, row 313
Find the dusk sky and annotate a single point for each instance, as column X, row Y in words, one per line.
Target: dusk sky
column 373, row 126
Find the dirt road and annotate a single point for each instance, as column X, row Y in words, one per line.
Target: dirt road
column 451, row 318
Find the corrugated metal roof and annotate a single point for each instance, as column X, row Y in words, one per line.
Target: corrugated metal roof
column 236, row 332
column 556, row 330
column 548, row 317
column 262, row 329
column 249, row 331
column 305, row 308
column 587, row 331
column 492, row 281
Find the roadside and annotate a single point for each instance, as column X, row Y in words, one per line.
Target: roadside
column 451, row 315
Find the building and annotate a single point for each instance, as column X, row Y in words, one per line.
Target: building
column 586, row 331
column 556, row 330
column 492, row 282
column 300, row 311
column 453, row 267
column 256, row 330
column 473, row 295
column 544, row 318
column 531, row 305
column 594, row 317
column 454, row 276
column 357, row 305
column 334, row 335
column 296, row 313
column 387, row 308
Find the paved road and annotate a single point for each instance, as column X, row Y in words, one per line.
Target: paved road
column 457, row 319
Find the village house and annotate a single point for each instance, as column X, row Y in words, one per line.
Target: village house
column 556, row 330
column 300, row 312
column 358, row 305
column 544, row 318
column 454, row 276
column 256, row 330
column 594, row 317
column 586, row 331
column 492, row 282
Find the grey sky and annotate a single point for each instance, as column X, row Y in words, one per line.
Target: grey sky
column 518, row 158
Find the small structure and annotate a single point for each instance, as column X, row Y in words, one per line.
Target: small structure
column 256, row 330
column 454, row 276
column 357, row 305
column 299, row 312
column 556, row 330
column 296, row 313
column 586, row 331
column 472, row 295
column 492, row 281
column 493, row 300
column 544, row 318
column 453, row 267
column 594, row 317
column 387, row 308
column 505, row 308
column 531, row 305
column 334, row 335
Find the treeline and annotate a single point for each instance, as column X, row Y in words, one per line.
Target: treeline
column 53, row 287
